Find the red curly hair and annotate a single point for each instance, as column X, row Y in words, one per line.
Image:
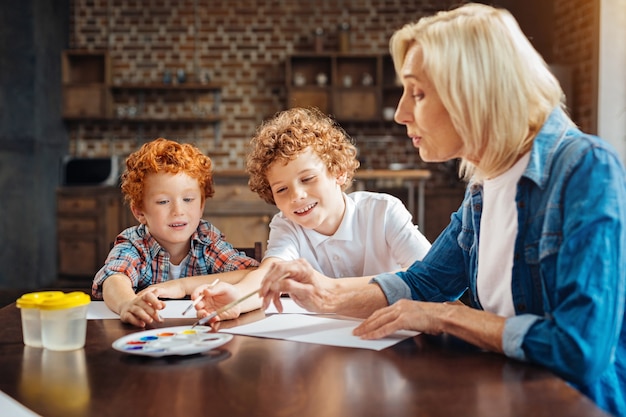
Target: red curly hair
column 163, row 155
column 292, row 132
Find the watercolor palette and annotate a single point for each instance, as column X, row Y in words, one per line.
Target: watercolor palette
column 182, row 340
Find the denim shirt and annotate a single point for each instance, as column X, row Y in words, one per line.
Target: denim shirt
column 569, row 269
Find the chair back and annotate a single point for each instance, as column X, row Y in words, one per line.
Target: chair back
column 255, row 251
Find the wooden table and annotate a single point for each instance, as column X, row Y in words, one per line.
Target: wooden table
column 422, row 376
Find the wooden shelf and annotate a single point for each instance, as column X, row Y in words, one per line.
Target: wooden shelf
column 85, row 67
column 89, row 97
column 358, row 87
column 166, row 87
column 189, row 120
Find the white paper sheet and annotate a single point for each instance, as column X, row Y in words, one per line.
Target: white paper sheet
column 289, row 307
column 294, row 324
column 174, row 309
column 315, row 329
column 12, row 408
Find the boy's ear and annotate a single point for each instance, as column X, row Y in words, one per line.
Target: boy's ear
column 138, row 213
column 341, row 179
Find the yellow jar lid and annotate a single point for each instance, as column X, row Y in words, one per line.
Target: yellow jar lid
column 34, row 299
column 69, row 300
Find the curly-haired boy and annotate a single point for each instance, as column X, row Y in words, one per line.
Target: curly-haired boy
column 166, row 185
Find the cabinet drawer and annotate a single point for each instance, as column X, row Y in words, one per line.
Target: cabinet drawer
column 237, row 200
column 77, row 204
column 78, row 257
column 310, row 97
column 356, row 104
column 77, row 225
column 243, row 231
column 234, row 192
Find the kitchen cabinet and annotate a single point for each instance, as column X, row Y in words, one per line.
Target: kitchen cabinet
column 441, row 202
column 241, row 215
column 90, row 97
column 88, row 219
column 351, row 87
column 86, row 76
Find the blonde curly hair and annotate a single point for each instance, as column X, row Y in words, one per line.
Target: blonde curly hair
column 291, row 132
column 163, row 155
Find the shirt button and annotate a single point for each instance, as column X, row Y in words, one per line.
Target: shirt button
column 335, row 258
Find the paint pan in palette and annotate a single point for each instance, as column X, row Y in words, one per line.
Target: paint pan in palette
column 181, row 340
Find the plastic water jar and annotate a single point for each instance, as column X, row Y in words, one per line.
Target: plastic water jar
column 64, row 321
column 31, row 323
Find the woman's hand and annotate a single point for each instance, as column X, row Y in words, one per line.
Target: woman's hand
column 402, row 315
column 478, row 327
column 307, row 287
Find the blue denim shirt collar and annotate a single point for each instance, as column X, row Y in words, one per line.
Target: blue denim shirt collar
column 544, row 147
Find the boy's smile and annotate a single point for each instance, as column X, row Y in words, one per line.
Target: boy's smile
column 306, row 209
column 306, row 193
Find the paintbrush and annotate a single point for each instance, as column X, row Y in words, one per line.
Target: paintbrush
column 230, row 305
column 199, row 298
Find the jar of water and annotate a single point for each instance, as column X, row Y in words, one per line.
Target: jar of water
column 31, row 323
column 64, row 321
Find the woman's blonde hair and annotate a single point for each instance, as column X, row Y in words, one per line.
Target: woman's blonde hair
column 291, row 132
column 496, row 87
column 162, row 155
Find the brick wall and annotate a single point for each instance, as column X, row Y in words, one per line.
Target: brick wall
column 576, row 37
column 241, row 44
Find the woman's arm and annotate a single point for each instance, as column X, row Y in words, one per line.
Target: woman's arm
column 478, row 327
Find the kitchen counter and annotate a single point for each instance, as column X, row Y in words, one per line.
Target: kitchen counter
column 412, row 179
column 410, row 174
column 409, row 178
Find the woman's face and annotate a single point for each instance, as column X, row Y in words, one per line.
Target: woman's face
column 420, row 109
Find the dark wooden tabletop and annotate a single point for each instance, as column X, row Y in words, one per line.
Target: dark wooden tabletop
column 421, row 376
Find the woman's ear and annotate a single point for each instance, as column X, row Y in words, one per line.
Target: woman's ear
column 138, row 213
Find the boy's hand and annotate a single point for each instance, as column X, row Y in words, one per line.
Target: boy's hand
column 143, row 309
column 214, row 298
column 169, row 289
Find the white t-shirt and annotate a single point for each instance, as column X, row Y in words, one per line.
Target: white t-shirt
column 498, row 231
column 376, row 235
column 175, row 270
